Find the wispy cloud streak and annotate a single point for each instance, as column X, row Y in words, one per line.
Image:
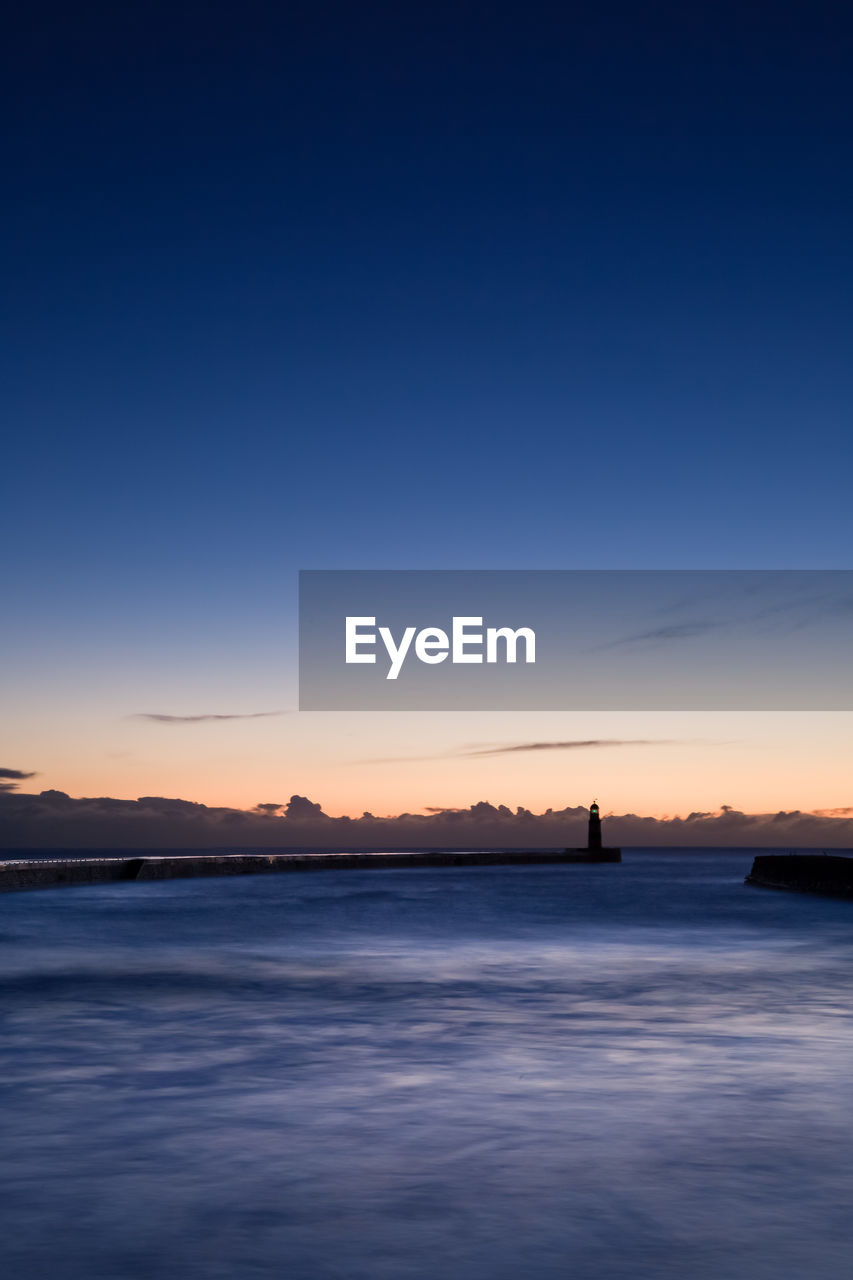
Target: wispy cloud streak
column 575, row 744
column 9, row 778
column 663, row 635
column 160, row 718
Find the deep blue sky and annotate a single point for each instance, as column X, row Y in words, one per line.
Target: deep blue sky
column 438, row 285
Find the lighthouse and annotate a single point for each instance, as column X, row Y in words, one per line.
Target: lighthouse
column 595, row 851
column 594, row 840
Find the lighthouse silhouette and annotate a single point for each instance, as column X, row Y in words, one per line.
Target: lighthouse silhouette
column 594, row 838
column 595, row 851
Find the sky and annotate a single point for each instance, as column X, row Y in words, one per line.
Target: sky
column 300, row 286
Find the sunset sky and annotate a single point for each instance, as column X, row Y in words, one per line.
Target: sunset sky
column 334, row 286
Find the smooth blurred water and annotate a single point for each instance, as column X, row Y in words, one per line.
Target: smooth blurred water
column 616, row 1071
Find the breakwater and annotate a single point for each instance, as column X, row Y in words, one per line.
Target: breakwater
column 825, row 874
column 53, row 873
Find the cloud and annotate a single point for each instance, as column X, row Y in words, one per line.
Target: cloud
column 795, row 610
column 579, row 744
column 662, row 635
column 489, row 749
column 160, row 718
column 9, row 778
column 301, row 809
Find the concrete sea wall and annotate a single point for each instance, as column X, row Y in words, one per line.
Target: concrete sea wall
column 824, row 874
column 52, row 873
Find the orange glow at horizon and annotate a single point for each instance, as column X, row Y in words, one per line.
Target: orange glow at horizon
column 668, row 764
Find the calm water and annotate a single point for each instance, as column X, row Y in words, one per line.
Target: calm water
column 637, row 1071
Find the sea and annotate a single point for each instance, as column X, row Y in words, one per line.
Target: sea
column 613, row 1072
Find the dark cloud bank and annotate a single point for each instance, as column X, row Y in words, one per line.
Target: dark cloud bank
column 54, row 820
